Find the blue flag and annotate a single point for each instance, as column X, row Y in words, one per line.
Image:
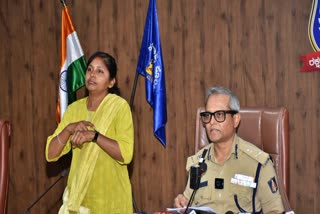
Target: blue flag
column 150, row 65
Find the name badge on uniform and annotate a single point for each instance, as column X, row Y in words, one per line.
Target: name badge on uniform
column 244, row 180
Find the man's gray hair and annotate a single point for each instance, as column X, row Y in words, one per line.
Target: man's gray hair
column 234, row 103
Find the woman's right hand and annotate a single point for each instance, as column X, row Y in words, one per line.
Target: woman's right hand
column 79, row 126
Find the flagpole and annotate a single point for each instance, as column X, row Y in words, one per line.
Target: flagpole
column 134, row 89
column 133, row 92
column 63, row 2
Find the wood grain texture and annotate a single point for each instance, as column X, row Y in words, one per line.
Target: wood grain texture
column 250, row 46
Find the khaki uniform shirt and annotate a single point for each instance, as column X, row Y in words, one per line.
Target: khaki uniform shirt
column 238, row 173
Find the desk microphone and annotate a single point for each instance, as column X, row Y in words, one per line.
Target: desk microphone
column 63, row 174
column 195, row 176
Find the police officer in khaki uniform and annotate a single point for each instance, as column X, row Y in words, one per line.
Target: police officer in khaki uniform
column 239, row 176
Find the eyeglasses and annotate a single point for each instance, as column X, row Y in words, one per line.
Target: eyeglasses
column 219, row 116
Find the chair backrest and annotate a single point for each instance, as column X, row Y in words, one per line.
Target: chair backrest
column 5, row 131
column 267, row 128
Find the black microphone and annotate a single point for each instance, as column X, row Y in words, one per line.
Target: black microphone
column 195, row 176
column 203, row 167
column 63, row 174
column 196, row 172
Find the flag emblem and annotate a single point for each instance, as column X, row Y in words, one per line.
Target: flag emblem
column 63, row 81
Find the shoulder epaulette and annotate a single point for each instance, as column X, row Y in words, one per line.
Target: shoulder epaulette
column 254, row 152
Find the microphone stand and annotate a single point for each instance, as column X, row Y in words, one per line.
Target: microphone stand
column 190, row 201
column 38, row 199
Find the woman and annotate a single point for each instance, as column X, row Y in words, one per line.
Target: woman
column 99, row 131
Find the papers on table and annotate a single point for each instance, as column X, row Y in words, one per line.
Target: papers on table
column 192, row 210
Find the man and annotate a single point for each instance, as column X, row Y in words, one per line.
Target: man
column 239, row 176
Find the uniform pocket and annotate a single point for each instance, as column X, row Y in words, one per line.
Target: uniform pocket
column 203, row 194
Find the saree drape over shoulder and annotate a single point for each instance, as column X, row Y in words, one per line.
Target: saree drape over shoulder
column 98, row 183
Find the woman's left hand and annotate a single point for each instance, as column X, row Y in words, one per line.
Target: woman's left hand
column 81, row 137
column 79, row 126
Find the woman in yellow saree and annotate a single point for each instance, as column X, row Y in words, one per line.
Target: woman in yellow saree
column 99, row 131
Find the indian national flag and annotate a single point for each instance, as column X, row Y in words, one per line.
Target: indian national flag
column 73, row 65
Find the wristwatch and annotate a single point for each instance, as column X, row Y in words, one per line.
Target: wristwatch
column 96, row 135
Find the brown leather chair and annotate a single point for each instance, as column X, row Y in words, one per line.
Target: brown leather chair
column 267, row 128
column 5, row 131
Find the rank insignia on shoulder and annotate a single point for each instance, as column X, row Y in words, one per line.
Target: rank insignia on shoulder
column 273, row 185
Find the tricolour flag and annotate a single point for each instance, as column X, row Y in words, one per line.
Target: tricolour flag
column 73, row 65
column 150, row 65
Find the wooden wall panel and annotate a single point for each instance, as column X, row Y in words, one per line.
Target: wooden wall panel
column 250, row 46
